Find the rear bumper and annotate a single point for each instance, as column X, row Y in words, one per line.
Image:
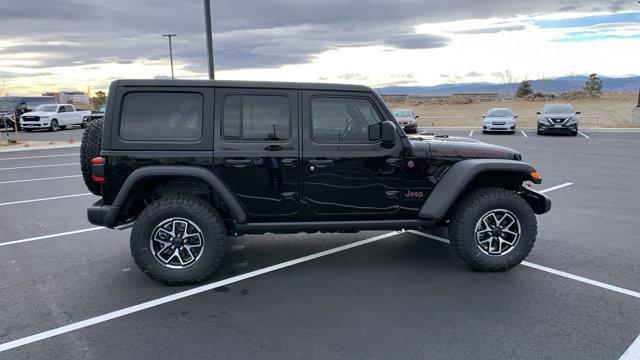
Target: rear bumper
column 103, row 215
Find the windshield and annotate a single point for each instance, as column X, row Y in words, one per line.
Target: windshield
column 47, row 108
column 558, row 109
column 499, row 113
column 402, row 113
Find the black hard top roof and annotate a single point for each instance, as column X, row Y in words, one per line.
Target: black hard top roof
column 236, row 83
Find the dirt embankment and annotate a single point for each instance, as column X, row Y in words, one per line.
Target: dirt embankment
column 606, row 110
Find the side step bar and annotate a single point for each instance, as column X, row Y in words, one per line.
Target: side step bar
column 328, row 226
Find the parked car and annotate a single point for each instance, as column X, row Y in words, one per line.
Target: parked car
column 95, row 115
column 558, row 118
column 187, row 163
column 52, row 117
column 500, row 120
column 406, row 119
column 10, row 105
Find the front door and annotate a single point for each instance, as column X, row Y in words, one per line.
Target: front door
column 347, row 176
column 256, row 149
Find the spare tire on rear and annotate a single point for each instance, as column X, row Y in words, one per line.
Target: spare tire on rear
column 90, row 148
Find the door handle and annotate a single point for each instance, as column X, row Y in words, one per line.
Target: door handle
column 290, row 162
column 320, row 162
column 238, row 162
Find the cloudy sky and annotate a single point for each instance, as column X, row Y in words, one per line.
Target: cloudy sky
column 68, row 44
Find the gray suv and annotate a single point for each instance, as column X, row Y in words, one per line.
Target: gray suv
column 558, row 118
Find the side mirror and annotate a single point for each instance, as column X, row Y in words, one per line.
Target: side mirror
column 417, row 116
column 388, row 134
column 375, row 132
column 515, row 116
column 484, row 115
column 578, row 112
column 538, row 112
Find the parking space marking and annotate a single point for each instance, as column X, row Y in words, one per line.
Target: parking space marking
column 523, row 133
column 581, row 133
column 633, row 352
column 550, row 270
column 555, row 187
column 39, row 179
column 183, row 294
column 38, row 166
column 471, row 133
column 43, row 199
column 51, row 236
column 39, row 156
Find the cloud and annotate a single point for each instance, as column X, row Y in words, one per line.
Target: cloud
column 491, row 30
column 473, row 74
column 416, row 41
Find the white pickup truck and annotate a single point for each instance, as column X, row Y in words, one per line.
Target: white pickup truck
column 52, row 117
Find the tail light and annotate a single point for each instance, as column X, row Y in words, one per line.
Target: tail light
column 98, row 169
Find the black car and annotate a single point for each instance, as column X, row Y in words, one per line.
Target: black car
column 558, row 118
column 188, row 163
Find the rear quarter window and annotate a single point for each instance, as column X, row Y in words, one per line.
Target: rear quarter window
column 161, row 116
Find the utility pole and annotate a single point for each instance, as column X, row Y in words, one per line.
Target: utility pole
column 170, row 51
column 207, row 21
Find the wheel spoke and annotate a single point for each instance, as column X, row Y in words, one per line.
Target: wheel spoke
column 177, row 243
column 492, row 237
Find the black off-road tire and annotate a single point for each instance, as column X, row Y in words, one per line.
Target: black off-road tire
column 89, row 148
column 469, row 211
column 196, row 210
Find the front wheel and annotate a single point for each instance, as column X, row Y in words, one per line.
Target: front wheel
column 178, row 240
column 54, row 125
column 492, row 229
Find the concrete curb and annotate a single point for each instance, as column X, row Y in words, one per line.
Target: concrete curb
column 17, row 148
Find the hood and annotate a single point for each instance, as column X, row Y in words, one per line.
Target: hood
column 405, row 118
column 36, row 113
column 499, row 118
column 460, row 148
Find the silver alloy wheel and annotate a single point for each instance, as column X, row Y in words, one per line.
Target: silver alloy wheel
column 497, row 232
column 177, row 243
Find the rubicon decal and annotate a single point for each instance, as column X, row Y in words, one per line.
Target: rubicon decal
column 473, row 153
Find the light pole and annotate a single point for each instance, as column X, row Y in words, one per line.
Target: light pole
column 207, row 21
column 170, row 51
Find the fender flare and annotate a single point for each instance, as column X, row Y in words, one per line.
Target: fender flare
column 458, row 177
column 237, row 211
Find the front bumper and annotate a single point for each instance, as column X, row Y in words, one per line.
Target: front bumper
column 34, row 124
column 491, row 127
column 540, row 203
column 103, row 215
column 571, row 128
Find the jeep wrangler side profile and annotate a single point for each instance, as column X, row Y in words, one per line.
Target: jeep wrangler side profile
column 189, row 162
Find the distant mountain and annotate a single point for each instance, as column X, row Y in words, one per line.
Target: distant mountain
column 554, row 86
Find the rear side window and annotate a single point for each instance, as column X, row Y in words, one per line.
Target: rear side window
column 166, row 116
column 256, row 118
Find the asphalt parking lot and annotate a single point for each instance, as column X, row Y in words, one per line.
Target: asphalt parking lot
column 70, row 289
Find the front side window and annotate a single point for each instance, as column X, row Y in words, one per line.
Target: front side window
column 156, row 116
column 256, row 118
column 336, row 119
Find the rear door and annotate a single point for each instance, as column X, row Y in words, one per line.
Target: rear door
column 256, row 149
column 347, row 176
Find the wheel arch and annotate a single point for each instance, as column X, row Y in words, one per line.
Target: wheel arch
column 469, row 174
column 166, row 179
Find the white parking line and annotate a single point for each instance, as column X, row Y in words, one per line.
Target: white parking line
column 581, row 133
column 37, row 157
column 523, row 133
column 50, row 236
column 39, row 179
column 38, row 166
column 551, row 271
column 555, row 187
column 43, row 199
column 633, row 352
column 471, row 133
column 181, row 295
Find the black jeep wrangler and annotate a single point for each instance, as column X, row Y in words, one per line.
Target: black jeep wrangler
column 188, row 163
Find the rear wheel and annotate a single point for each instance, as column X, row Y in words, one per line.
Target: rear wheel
column 54, row 125
column 492, row 229
column 178, row 240
column 89, row 148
